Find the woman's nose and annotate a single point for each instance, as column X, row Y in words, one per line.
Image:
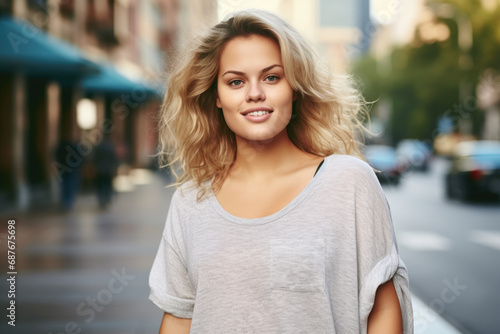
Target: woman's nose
column 255, row 93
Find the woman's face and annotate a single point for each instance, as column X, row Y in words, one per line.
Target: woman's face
column 255, row 97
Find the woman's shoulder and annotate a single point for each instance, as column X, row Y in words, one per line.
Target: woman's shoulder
column 348, row 174
column 348, row 165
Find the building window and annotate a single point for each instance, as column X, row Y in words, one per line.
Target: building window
column 67, row 8
column 102, row 21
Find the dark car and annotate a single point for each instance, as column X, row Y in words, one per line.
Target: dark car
column 386, row 162
column 475, row 171
column 415, row 154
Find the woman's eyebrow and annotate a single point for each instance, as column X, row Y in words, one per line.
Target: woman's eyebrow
column 270, row 68
column 242, row 73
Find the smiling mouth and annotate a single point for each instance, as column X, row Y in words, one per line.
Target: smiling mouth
column 257, row 113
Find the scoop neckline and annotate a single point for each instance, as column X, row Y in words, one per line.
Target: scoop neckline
column 282, row 212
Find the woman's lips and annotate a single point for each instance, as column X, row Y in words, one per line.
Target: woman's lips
column 258, row 115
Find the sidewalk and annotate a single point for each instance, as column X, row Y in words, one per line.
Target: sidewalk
column 427, row 321
column 87, row 270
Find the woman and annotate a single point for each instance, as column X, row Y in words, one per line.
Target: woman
column 277, row 226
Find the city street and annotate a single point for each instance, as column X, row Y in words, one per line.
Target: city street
column 93, row 92
column 87, row 270
column 451, row 250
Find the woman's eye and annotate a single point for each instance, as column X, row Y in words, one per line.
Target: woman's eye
column 235, row 83
column 272, row 78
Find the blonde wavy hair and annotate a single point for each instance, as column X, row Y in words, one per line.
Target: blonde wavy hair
column 193, row 135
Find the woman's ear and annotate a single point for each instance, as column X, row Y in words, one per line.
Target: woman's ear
column 294, row 96
column 217, row 100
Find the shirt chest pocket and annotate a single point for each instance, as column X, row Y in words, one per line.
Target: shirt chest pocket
column 297, row 264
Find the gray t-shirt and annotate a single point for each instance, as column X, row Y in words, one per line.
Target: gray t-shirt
column 312, row 267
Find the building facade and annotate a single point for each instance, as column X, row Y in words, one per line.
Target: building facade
column 76, row 71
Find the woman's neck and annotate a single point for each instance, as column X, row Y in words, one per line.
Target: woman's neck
column 264, row 159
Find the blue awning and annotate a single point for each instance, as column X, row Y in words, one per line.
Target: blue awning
column 25, row 48
column 109, row 81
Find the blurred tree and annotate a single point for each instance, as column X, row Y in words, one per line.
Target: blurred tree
column 423, row 78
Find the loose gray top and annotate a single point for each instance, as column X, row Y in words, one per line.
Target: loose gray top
column 312, row 267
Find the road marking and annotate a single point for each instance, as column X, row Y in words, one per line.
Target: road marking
column 486, row 238
column 424, row 241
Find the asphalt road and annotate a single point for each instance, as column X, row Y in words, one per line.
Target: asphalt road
column 451, row 249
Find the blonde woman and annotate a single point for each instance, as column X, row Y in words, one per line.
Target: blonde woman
column 277, row 225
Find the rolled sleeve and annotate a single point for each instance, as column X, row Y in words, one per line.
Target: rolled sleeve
column 390, row 267
column 171, row 288
column 378, row 258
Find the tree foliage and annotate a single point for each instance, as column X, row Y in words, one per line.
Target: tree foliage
column 422, row 79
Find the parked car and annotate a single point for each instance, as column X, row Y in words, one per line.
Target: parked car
column 475, row 170
column 415, row 154
column 384, row 160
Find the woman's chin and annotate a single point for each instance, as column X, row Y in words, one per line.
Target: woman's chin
column 261, row 136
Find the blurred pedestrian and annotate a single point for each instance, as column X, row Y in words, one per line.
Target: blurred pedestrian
column 277, row 225
column 105, row 162
column 68, row 167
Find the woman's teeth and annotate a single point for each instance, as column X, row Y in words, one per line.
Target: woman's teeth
column 257, row 113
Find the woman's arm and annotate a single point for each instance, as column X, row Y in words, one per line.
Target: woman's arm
column 173, row 325
column 385, row 316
